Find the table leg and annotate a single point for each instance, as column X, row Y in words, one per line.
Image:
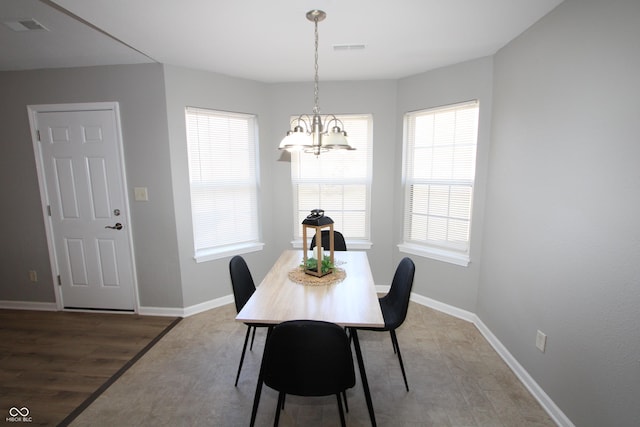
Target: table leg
column 256, row 398
column 363, row 375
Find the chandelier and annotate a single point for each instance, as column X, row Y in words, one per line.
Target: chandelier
column 315, row 133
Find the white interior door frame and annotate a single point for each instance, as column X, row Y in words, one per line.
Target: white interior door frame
column 33, row 111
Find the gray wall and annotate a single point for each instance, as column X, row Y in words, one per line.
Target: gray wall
column 562, row 243
column 445, row 282
column 140, row 91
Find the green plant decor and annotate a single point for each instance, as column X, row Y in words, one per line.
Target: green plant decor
column 312, row 264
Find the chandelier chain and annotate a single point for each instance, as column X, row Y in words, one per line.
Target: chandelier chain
column 316, row 107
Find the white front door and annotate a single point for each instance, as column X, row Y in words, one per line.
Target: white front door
column 78, row 150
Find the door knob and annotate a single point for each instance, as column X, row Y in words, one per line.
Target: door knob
column 118, row 226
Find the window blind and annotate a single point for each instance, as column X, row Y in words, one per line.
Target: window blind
column 439, row 173
column 223, row 176
column 337, row 181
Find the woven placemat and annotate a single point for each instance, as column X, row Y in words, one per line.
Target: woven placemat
column 299, row 276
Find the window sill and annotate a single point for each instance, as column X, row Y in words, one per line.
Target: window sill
column 227, row 251
column 351, row 244
column 444, row 255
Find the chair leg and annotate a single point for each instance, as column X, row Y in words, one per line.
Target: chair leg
column 342, row 420
column 394, row 338
column 346, row 405
column 278, row 408
column 253, row 337
column 393, row 343
column 244, row 349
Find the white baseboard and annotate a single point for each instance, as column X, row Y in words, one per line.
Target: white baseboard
column 208, row 305
column 444, row 308
column 161, row 311
column 28, row 305
column 187, row 311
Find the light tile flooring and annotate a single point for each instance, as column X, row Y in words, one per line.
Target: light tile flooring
column 455, row 379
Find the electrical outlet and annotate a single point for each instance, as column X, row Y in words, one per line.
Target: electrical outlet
column 33, row 275
column 541, row 341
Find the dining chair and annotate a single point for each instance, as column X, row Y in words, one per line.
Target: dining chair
column 395, row 304
column 243, row 288
column 339, row 243
column 307, row 358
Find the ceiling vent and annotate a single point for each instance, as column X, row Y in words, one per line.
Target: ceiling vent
column 26, row 25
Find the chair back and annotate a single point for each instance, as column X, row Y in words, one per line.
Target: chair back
column 308, row 358
column 339, row 243
column 397, row 300
column 241, row 281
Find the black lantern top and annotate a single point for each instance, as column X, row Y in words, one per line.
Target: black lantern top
column 316, row 217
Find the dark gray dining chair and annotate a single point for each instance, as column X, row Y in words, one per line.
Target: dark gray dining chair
column 307, row 358
column 395, row 305
column 243, row 288
column 339, row 243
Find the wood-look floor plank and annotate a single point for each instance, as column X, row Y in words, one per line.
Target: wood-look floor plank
column 51, row 362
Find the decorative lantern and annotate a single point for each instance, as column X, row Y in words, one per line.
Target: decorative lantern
column 317, row 222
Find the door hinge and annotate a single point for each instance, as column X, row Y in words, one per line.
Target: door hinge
column 38, row 134
column 59, row 281
column 49, row 210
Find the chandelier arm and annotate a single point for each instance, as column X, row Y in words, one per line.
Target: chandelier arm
column 331, row 118
column 304, row 119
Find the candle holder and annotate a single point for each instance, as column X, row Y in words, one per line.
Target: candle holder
column 323, row 265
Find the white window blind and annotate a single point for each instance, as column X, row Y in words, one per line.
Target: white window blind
column 223, row 176
column 339, row 182
column 439, row 173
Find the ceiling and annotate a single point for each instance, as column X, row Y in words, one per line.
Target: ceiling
column 268, row 41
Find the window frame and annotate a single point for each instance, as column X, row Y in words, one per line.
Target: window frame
column 242, row 246
column 454, row 253
column 361, row 242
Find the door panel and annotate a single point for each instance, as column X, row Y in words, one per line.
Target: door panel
column 77, row 262
column 66, row 190
column 85, row 188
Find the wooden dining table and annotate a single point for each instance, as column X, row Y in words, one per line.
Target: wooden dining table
column 351, row 302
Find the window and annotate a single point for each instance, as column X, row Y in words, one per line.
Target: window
column 439, row 170
column 339, row 182
column 223, row 176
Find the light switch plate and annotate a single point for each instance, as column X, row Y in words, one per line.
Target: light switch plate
column 541, row 341
column 141, row 194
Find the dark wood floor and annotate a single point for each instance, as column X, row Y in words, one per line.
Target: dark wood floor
column 52, row 362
